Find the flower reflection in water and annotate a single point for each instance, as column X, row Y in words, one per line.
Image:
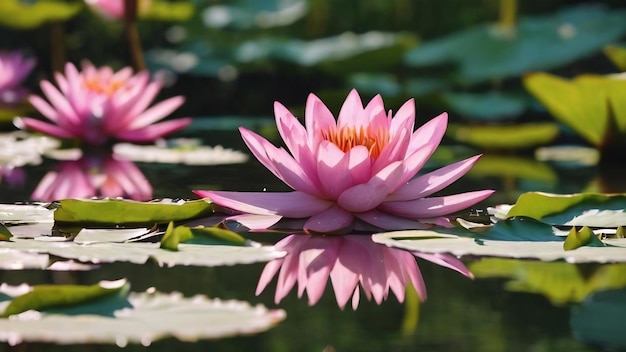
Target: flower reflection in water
column 94, row 176
column 350, row 261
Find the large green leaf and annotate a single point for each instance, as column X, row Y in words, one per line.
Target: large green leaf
column 537, row 43
column 561, row 283
column 144, row 318
column 516, row 238
column 505, row 136
column 587, row 103
column 119, row 212
column 45, row 297
column 599, row 210
column 168, row 11
column 617, row 54
column 513, row 167
column 489, row 106
column 28, row 15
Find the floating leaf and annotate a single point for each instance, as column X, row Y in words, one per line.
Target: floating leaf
column 561, row 283
column 584, row 237
column 116, row 211
column 28, row 15
column 5, row 234
column 174, row 235
column 617, row 54
column 167, row 11
column 25, row 213
column 489, row 106
column 515, row 167
column 584, row 209
column 505, row 136
column 538, row 43
column 599, row 320
column 149, row 316
column 43, row 297
column 517, row 238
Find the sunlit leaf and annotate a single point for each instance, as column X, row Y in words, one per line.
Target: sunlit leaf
column 617, row 54
column 5, row 234
column 32, row 14
column 44, row 297
column 25, row 213
column 581, row 209
column 147, row 317
column 175, row 235
column 505, row 136
column 537, row 43
column 115, row 211
column 513, row 166
column 561, row 283
column 583, row 237
column 168, row 11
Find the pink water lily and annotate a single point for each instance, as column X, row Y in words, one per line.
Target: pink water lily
column 94, row 176
column 351, row 262
column 14, row 68
column 115, row 8
column 355, row 172
column 99, row 105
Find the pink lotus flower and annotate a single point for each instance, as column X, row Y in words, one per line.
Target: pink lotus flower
column 355, row 171
column 100, row 105
column 13, row 70
column 350, row 261
column 92, row 176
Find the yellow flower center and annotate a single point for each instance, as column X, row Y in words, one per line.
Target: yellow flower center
column 103, row 87
column 347, row 138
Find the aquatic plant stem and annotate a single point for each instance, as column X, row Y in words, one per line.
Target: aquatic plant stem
column 132, row 35
column 57, row 46
column 508, row 15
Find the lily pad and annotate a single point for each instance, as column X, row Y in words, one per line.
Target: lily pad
column 147, row 317
column 26, row 213
column 167, row 11
column 537, row 43
column 561, row 283
column 617, row 54
column 489, row 106
column 594, row 106
column 583, row 209
column 599, row 320
column 117, row 211
column 189, row 155
column 521, row 239
column 505, row 136
column 514, row 167
column 28, row 15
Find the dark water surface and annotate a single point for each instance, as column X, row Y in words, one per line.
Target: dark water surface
column 459, row 315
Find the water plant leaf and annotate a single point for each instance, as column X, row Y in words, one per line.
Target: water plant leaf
column 25, row 213
column 150, row 316
column 484, row 52
column 561, row 283
column 513, row 167
column 174, row 235
column 514, row 238
column 5, row 234
column 583, row 237
column 617, row 54
column 43, row 297
column 167, row 11
column 28, row 15
column 117, row 211
column 599, row 320
column 588, row 209
column 489, row 106
column 505, row 136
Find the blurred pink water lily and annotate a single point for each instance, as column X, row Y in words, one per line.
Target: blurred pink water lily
column 351, row 262
column 14, row 68
column 115, row 8
column 94, row 176
column 101, row 105
column 353, row 173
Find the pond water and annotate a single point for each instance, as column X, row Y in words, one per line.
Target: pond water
column 508, row 307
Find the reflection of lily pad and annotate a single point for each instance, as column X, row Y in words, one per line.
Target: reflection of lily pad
column 507, row 239
column 599, row 320
column 512, row 166
column 505, row 136
column 147, row 317
column 594, row 106
column 538, row 43
column 561, row 282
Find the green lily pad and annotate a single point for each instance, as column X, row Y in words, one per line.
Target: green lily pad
column 538, row 43
column 515, row 167
column 45, row 297
column 143, row 318
column 244, row 14
column 584, row 209
column 583, row 237
column 489, row 106
column 27, row 15
column 168, row 11
column 118, row 212
column 505, row 136
column 517, row 238
column 561, row 283
column 617, row 54
column 594, row 106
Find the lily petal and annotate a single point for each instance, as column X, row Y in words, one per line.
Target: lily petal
column 434, row 206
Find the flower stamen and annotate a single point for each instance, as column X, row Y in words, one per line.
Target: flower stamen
column 346, row 138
